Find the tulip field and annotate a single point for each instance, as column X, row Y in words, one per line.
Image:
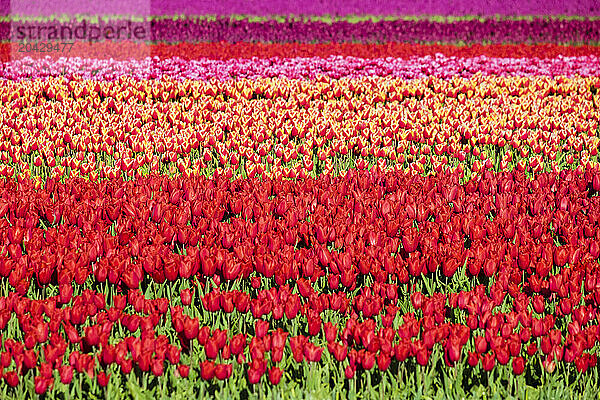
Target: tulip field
column 326, row 200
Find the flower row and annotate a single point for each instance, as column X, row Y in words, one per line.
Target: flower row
column 538, row 30
column 319, row 8
column 391, row 226
column 296, row 127
column 245, row 50
column 337, row 271
column 326, row 18
column 335, row 67
column 96, row 335
column 62, row 337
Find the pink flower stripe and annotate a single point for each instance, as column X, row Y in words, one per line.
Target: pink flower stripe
column 337, row 67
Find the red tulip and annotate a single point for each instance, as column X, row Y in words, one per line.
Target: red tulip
column 231, row 270
column 480, row 344
column 30, row 359
column 223, row 371
column 226, row 352
column 103, row 379
column 410, row 240
column 41, row 384
column 561, row 256
column 582, row 363
column 401, row 351
column 532, row 349
column 254, row 376
column 502, row 354
column 211, row 349
column 330, row 332
column 242, row 302
column 417, row 300
column 453, row 350
column 119, row 301
column 594, row 249
column 191, row 328
column 538, row 304
column 207, row 370
column 546, row 345
column 275, row 375
column 126, row 366
column 488, row 361
column 320, row 234
column 367, row 360
column 314, row 323
column 157, row 367
column 450, row 266
column 11, row 378
column 349, row 372
column 237, row 344
column 186, row 297
column 65, row 293
column 549, row 364
column 565, row 306
column 220, row 337
column 66, row 374
column 592, row 360
column 518, row 365
column 312, row 352
column 173, row 354
column 473, row 359
column 596, row 182
column 278, row 340
column 304, row 288
column 208, row 266
column 334, row 281
column 297, row 344
column 339, row 351
column 5, row 359
column 490, row 267
column 292, row 307
column 261, row 328
column 255, row 282
column 184, row 370
column 383, row 361
column 422, row 356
